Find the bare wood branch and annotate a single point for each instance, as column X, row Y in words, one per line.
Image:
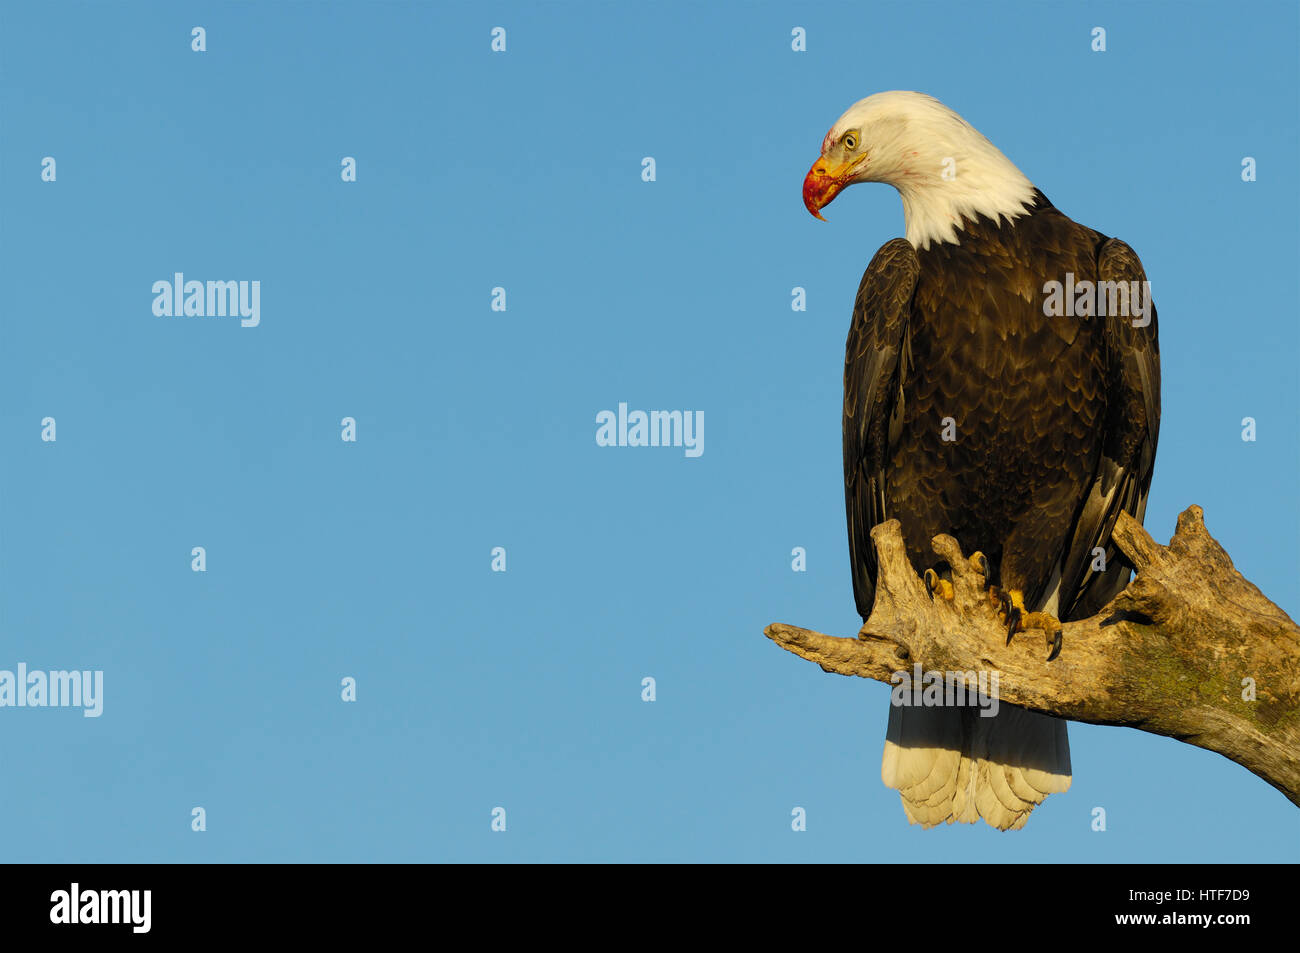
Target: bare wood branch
column 1169, row 655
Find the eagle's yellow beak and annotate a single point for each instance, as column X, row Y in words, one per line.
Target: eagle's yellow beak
column 824, row 181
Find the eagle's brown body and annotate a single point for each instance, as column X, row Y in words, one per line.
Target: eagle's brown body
column 1043, row 413
column 1051, row 426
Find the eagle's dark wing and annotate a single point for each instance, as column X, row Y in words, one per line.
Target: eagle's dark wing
column 1128, row 453
column 875, row 366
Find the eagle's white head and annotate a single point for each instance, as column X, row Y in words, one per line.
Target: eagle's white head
column 944, row 169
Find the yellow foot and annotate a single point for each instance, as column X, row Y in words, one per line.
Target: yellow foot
column 936, row 583
column 1012, row 603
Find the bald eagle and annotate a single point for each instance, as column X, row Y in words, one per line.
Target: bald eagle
column 1001, row 385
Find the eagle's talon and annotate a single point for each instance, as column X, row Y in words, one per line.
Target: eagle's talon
column 1055, row 639
column 1034, row 620
column 1050, row 625
column 936, row 583
column 981, row 564
column 1013, row 604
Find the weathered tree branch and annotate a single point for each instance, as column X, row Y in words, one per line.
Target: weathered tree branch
column 1170, row 654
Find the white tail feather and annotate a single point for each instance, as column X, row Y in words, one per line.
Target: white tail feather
column 952, row 764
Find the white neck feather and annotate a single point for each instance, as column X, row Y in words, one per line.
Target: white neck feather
column 946, row 171
column 936, row 208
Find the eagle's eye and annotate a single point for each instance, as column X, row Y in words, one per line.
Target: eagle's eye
column 850, row 141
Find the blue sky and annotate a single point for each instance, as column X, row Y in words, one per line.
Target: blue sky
column 475, row 428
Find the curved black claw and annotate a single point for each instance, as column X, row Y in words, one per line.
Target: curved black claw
column 1054, row 638
column 1013, row 620
column 935, row 583
column 982, row 562
column 1012, row 614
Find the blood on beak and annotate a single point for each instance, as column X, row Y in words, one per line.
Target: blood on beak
column 822, row 184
